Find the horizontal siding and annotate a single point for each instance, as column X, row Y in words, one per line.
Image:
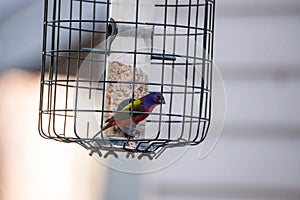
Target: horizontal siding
column 257, row 51
column 257, row 8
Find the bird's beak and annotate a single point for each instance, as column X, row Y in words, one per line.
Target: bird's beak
column 162, row 101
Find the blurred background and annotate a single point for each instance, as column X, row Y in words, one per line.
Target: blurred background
column 257, row 48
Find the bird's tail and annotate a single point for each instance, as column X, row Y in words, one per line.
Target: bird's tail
column 103, row 129
column 97, row 134
column 107, row 126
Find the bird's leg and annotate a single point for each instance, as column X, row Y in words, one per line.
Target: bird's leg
column 131, row 130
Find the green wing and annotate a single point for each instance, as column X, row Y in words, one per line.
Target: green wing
column 136, row 103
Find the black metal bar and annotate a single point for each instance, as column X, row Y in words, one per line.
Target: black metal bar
column 157, row 56
column 40, row 123
column 211, row 68
column 51, row 67
column 56, row 72
column 134, row 60
column 173, row 68
column 105, row 67
column 78, row 71
column 68, row 64
column 163, row 65
column 194, row 70
column 162, row 57
column 51, row 23
column 186, row 70
column 204, row 48
column 49, row 82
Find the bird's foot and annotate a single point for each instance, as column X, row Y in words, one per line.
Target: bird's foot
column 131, row 131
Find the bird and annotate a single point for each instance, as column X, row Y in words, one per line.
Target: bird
column 127, row 119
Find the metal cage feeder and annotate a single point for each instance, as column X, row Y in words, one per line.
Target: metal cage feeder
column 100, row 55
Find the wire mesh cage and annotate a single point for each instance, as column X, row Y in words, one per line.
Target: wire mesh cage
column 130, row 76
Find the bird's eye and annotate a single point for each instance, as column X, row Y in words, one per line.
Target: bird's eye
column 156, row 96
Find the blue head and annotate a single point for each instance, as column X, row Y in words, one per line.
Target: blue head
column 153, row 98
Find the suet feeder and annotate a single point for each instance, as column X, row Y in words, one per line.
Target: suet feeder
column 100, row 55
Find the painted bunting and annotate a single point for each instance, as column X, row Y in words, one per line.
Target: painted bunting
column 126, row 119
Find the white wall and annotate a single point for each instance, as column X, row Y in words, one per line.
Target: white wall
column 257, row 48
